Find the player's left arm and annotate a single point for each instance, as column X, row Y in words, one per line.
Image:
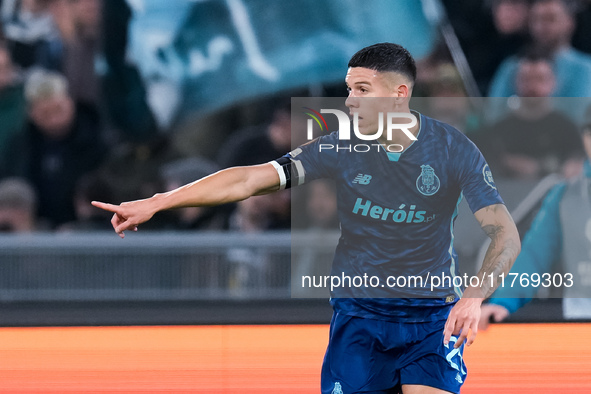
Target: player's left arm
column 505, row 245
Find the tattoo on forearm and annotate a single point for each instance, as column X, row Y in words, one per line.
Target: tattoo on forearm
column 499, row 258
column 492, row 231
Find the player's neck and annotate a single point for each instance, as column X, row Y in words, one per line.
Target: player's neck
column 400, row 137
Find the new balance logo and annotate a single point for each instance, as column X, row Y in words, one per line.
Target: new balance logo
column 362, row 179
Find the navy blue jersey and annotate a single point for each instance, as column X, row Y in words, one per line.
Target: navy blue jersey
column 397, row 213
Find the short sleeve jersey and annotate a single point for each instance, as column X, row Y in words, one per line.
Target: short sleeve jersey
column 397, row 212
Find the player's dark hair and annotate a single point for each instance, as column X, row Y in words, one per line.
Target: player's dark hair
column 386, row 57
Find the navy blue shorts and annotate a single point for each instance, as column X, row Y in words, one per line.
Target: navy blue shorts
column 378, row 356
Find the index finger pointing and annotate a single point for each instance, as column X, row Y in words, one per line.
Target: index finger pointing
column 105, row 206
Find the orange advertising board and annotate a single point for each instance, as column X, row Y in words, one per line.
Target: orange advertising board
column 509, row 358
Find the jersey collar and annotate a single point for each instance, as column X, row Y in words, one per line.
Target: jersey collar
column 395, row 156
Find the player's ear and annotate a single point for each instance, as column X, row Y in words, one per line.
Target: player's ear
column 403, row 90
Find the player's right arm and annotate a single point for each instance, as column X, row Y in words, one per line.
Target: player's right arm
column 225, row 186
column 505, row 245
column 233, row 184
column 542, row 246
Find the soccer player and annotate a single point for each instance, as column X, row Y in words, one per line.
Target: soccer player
column 396, row 211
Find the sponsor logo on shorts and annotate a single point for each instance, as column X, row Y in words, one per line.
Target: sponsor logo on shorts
column 337, row 389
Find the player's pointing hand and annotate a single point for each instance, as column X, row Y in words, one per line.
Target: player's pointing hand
column 128, row 215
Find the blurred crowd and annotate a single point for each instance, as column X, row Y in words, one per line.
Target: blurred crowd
column 76, row 125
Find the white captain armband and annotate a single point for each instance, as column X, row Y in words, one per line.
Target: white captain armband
column 291, row 172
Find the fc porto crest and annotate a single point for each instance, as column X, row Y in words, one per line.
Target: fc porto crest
column 428, row 183
column 337, row 389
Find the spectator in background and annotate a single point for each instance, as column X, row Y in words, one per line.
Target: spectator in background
column 253, row 266
column 583, row 30
column 321, row 206
column 247, row 264
column 320, row 222
column 560, row 232
column 252, row 216
column 88, row 188
column 510, row 16
column 96, row 65
column 92, row 56
column 260, row 144
column 82, row 51
column 264, row 213
column 181, row 172
column 257, row 145
column 551, row 26
column 61, row 142
column 13, row 110
column 447, row 99
column 32, row 34
column 134, row 171
column 534, row 139
column 489, row 32
column 18, row 204
column 429, row 69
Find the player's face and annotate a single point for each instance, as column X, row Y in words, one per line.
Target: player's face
column 372, row 92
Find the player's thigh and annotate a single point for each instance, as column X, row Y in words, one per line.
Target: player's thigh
column 354, row 361
column 419, row 389
column 434, row 367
